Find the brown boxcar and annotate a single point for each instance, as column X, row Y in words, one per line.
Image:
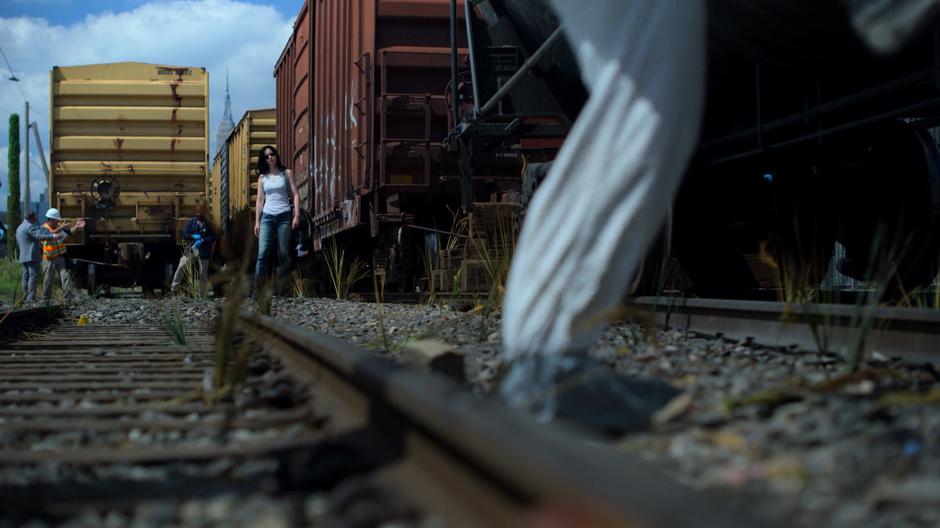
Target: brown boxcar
column 361, row 109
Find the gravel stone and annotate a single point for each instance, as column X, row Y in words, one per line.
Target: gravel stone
column 761, row 426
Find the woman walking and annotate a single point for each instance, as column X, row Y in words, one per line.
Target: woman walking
column 277, row 213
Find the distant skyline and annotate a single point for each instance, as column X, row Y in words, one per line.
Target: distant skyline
column 245, row 36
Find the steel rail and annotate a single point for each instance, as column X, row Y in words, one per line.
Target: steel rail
column 912, row 334
column 15, row 321
column 470, row 459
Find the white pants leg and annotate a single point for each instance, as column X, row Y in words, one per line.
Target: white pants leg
column 199, row 266
column 182, row 268
column 614, row 179
column 203, row 276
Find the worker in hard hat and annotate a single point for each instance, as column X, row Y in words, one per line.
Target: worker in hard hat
column 53, row 254
column 29, row 237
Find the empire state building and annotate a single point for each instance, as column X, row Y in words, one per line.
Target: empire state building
column 226, row 124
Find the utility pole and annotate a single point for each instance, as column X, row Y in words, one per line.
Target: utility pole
column 27, row 207
column 42, row 153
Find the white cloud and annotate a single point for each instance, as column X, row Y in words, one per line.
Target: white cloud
column 215, row 34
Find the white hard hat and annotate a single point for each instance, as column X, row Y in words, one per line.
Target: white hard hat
column 53, row 214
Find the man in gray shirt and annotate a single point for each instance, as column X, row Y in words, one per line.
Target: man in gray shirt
column 29, row 237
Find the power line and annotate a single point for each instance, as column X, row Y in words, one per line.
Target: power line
column 12, row 73
column 13, row 77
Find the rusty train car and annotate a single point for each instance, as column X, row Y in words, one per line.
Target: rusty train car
column 129, row 145
column 368, row 93
column 808, row 139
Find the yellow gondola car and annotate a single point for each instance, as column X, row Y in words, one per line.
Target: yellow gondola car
column 130, row 155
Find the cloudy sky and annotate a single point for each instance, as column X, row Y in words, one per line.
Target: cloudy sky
column 244, row 36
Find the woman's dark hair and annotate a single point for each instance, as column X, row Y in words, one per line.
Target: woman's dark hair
column 263, row 162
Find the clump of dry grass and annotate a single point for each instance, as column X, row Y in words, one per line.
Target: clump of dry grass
column 343, row 277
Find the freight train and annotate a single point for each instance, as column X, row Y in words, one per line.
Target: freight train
column 368, row 98
column 809, row 138
column 129, row 144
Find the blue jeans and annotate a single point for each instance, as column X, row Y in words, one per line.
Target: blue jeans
column 274, row 227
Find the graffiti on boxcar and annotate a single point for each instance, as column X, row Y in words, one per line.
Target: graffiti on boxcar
column 352, row 106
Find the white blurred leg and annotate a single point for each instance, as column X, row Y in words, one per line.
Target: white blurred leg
column 608, row 192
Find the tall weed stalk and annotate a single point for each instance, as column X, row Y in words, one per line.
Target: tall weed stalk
column 228, row 359
column 378, row 284
column 343, row 277
column 496, row 258
column 173, row 322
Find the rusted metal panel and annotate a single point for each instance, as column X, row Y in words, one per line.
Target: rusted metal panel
column 343, row 53
column 362, row 83
column 421, row 9
column 293, row 102
column 144, row 126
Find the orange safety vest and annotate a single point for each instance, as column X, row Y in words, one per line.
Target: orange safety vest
column 52, row 249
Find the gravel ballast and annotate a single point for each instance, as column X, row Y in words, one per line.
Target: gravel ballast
column 786, row 432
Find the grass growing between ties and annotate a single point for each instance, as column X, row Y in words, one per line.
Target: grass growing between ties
column 343, row 277
column 230, row 351
column 173, row 322
column 230, row 354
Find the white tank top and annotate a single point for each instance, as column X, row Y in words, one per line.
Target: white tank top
column 275, row 194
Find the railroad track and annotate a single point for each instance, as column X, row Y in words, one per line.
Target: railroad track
column 912, row 334
column 82, row 401
column 87, row 396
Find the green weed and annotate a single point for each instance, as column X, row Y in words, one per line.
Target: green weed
column 459, row 230
column 343, row 277
column 173, row 322
column 496, row 258
column 299, row 285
